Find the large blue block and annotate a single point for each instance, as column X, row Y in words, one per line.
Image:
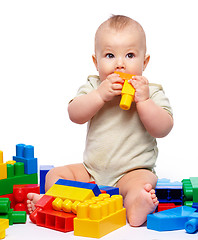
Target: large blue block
column 172, row 219
column 91, row 186
column 44, row 169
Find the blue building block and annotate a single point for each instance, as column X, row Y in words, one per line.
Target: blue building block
column 110, row 190
column 169, row 192
column 25, row 154
column 44, row 169
column 93, row 187
column 172, row 219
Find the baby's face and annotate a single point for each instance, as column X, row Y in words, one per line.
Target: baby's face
column 120, row 50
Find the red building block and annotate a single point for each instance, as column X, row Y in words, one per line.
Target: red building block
column 20, row 192
column 166, row 206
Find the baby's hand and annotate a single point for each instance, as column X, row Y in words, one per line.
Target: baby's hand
column 110, row 87
column 141, row 86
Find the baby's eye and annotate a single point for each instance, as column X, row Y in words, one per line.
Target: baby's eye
column 109, row 55
column 130, row 55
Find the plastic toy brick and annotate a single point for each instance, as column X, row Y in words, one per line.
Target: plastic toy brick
column 128, row 91
column 20, row 195
column 91, row 186
column 166, row 206
column 72, row 193
column 4, row 224
column 25, row 154
column 45, row 203
column 98, row 219
column 194, row 182
column 45, row 216
column 3, row 171
column 188, row 192
column 55, row 220
column 44, row 169
column 169, row 192
column 15, row 175
column 110, row 190
column 172, row 219
column 7, row 213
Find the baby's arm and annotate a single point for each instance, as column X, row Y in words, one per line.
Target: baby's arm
column 84, row 107
column 157, row 121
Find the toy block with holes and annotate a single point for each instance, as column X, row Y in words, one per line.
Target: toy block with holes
column 99, row 216
column 4, row 224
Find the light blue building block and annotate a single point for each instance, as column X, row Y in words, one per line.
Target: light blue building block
column 172, row 219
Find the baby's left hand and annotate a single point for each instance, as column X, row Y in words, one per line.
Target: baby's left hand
column 141, row 86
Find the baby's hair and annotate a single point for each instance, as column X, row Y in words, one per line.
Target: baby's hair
column 119, row 22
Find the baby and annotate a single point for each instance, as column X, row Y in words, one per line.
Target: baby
column 121, row 148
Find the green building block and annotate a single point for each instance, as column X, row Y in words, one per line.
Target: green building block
column 16, row 176
column 7, row 213
column 194, row 182
column 188, row 192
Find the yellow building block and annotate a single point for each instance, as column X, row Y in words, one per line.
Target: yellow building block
column 3, row 171
column 1, row 157
column 4, row 223
column 101, row 218
column 128, row 92
column 71, row 193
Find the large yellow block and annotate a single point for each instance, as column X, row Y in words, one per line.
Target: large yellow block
column 101, row 218
column 71, row 193
column 3, row 171
column 4, row 223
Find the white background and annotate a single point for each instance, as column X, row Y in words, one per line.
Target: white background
column 45, row 55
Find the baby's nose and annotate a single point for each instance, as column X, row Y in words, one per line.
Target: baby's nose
column 120, row 64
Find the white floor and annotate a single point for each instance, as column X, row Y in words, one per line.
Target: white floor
column 31, row 231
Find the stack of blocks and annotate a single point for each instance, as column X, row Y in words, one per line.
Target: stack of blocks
column 21, row 170
column 97, row 214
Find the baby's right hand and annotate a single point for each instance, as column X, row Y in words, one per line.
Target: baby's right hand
column 110, row 87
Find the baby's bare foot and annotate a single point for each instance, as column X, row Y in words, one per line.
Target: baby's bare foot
column 32, row 200
column 145, row 203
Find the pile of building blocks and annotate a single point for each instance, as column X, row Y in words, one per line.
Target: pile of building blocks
column 4, row 224
column 62, row 203
column 21, row 170
column 169, row 194
column 7, row 213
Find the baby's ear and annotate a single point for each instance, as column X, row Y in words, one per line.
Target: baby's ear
column 95, row 61
column 146, row 61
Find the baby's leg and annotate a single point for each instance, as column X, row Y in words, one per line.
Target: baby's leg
column 137, row 188
column 75, row 172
